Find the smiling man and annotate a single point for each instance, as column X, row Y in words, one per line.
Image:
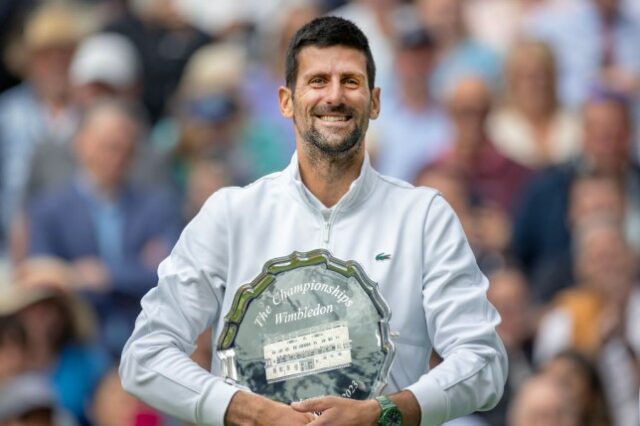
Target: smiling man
column 406, row 239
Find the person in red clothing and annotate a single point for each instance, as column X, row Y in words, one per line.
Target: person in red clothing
column 490, row 175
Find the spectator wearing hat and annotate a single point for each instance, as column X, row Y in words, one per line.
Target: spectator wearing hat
column 209, row 120
column 39, row 110
column 165, row 41
column 113, row 232
column 104, row 66
column 416, row 129
column 59, row 332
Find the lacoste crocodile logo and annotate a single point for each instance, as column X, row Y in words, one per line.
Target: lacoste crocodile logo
column 382, row 256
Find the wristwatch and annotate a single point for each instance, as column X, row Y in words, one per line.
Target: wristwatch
column 389, row 413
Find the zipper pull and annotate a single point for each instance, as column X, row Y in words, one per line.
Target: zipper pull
column 327, row 227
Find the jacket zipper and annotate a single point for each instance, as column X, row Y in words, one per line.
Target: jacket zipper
column 326, row 231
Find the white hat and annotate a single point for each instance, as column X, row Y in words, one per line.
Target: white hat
column 107, row 58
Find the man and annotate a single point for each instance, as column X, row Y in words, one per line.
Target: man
column 38, row 111
column 490, row 175
column 329, row 197
column 112, row 232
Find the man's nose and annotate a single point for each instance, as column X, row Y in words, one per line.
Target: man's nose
column 334, row 93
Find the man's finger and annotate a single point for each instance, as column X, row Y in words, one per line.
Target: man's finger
column 314, row 404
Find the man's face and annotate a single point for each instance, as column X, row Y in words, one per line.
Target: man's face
column 107, row 147
column 331, row 104
column 606, row 136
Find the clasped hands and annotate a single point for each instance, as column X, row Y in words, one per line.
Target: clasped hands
column 251, row 409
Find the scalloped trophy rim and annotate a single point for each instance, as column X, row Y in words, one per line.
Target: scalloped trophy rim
column 248, row 292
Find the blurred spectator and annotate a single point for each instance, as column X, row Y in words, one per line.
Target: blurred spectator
column 581, row 382
column 458, row 54
column 542, row 401
column 58, row 327
column 381, row 21
column 486, row 227
column 482, row 15
column 112, row 406
column 414, row 129
column 530, row 126
column 113, row 232
column 165, row 42
column 105, row 65
column 209, row 120
column 206, row 177
column 594, row 41
column 589, row 197
column 28, row 400
column 39, row 110
column 599, row 316
column 13, row 347
column 490, row 175
column 509, row 293
column 541, row 226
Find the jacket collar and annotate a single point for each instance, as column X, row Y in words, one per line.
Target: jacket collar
column 357, row 194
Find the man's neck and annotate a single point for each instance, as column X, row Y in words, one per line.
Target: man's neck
column 329, row 179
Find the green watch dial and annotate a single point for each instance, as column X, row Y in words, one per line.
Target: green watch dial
column 389, row 414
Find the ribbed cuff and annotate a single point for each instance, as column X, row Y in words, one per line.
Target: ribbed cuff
column 433, row 401
column 213, row 405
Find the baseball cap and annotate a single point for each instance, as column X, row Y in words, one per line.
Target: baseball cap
column 107, row 58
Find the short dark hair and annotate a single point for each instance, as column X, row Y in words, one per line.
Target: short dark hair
column 327, row 31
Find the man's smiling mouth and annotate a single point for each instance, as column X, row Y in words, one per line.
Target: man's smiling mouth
column 334, row 118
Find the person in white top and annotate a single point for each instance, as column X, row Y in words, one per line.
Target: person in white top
column 406, row 239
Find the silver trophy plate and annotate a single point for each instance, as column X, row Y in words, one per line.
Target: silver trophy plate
column 309, row 325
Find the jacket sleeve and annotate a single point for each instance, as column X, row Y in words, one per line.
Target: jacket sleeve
column 461, row 324
column 155, row 365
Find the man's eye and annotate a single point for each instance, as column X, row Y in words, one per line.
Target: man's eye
column 316, row 81
column 351, row 82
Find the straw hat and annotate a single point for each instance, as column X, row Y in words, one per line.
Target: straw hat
column 48, row 279
column 53, row 25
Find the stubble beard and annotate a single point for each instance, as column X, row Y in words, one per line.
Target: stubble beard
column 337, row 155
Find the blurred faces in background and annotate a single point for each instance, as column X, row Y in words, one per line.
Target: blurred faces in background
column 529, row 126
column 541, row 401
column 105, row 145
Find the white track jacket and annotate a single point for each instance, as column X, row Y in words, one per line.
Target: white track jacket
column 430, row 280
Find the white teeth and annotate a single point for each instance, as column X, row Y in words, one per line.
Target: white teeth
column 333, row 118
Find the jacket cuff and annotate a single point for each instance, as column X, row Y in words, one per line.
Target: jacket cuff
column 213, row 405
column 432, row 399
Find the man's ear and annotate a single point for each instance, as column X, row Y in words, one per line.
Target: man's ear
column 285, row 96
column 375, row 103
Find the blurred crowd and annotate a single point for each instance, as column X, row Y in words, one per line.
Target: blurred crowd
column 119, row 118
